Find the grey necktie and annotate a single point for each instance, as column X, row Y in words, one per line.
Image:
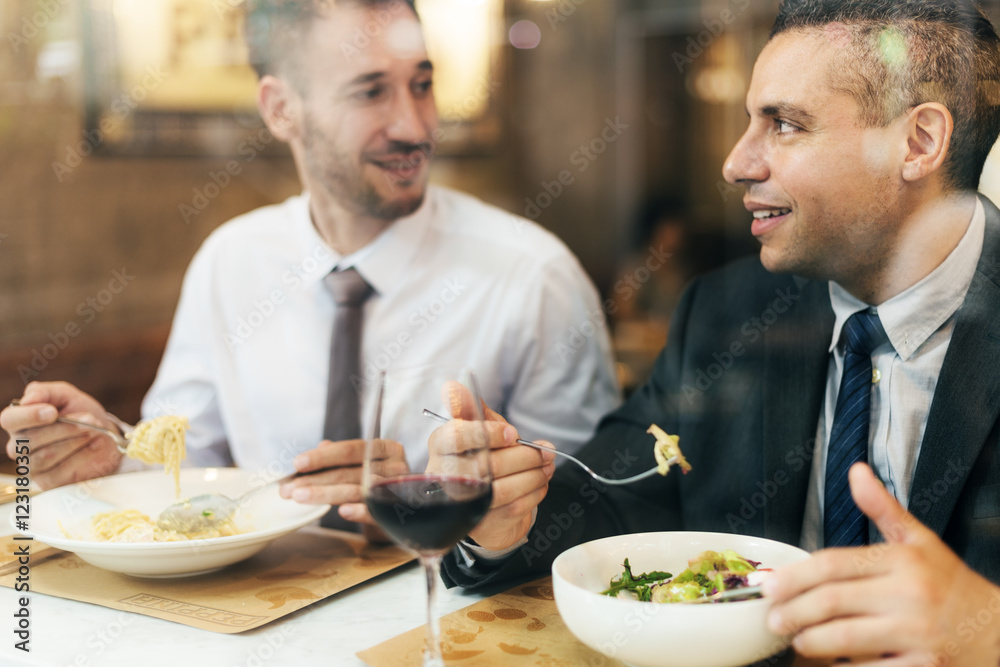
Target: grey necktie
column 342, row 420
column 349, row 291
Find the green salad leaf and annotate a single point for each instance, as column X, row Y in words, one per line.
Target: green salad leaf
column 640, row 585
column 707, row 573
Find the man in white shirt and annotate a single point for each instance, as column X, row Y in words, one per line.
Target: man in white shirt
column 869, row 125
column 453, row 281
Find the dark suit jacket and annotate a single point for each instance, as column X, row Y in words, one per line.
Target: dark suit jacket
column 742, row 381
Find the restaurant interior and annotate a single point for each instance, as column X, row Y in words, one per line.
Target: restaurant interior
column 129, row 132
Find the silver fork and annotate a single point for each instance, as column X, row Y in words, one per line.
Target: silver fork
column 746, row 592
column 122, row 442
column 599, row 478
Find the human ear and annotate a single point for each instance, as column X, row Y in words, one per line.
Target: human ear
column 929, row 128
column 280, row 106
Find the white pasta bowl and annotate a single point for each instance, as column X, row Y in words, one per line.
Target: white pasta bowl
column 61, row 518
column 646, row 634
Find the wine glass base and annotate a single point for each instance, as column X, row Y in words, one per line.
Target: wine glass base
column 432, row 662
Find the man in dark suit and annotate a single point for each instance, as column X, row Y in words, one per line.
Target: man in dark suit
column 870, row 122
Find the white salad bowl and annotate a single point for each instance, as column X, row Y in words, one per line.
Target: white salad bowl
column 61, row 518
column 647, row 634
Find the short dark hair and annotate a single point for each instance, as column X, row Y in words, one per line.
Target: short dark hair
column 907, row 52
column 275, row 29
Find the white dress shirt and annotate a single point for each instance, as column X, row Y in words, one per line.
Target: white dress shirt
column 919, row 322
column 458, row 281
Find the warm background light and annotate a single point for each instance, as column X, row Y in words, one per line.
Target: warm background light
column 461, row 39
column 203, row 52
column 525, row 35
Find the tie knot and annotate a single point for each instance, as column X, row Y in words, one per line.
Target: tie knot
column 348, row 287
column 863, row 332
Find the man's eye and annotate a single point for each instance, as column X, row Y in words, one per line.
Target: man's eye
column 784, row 127
column 370, row 93
column 423, row 86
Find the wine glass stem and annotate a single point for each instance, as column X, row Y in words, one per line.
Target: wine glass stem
column 432, row 654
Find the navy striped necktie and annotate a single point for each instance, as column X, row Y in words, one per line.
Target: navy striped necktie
column 844, row 525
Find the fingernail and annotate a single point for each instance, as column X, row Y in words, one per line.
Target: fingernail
column 285, row 491
column 769, row 587
column 301, row 462
column 509, row 434
column 549, row 469
column 349, row 512
column 47, row 413
column 300, row 495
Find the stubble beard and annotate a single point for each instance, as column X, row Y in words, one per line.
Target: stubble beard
column 345, row 182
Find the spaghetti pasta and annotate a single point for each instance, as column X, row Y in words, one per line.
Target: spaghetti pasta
column 160, row 440
column 134, row 526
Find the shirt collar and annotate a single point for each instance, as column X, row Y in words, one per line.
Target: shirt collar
column 382, row 263
column 910, row 317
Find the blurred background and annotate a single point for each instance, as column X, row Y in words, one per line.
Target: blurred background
column 128, row 133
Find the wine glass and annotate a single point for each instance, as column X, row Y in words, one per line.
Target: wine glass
column 431, row 508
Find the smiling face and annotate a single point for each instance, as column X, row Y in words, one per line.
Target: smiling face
column 368, row 113
column 824, row 191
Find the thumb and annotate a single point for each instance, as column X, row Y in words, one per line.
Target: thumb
column 896, row 524
column 492, row 416
column 37, row 392
column 461, row 403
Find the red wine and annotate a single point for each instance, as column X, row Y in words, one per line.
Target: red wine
column 428, row 513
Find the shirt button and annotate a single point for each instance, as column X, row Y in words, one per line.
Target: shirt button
column 876, row 375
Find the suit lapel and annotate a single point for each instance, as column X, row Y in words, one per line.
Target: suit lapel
column 794, row 380
column 967, row 397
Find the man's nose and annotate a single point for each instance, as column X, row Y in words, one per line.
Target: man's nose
column 410, row 120
column 746, row 162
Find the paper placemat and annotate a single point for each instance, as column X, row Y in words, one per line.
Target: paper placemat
column 518, row 627
column 292, row 572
